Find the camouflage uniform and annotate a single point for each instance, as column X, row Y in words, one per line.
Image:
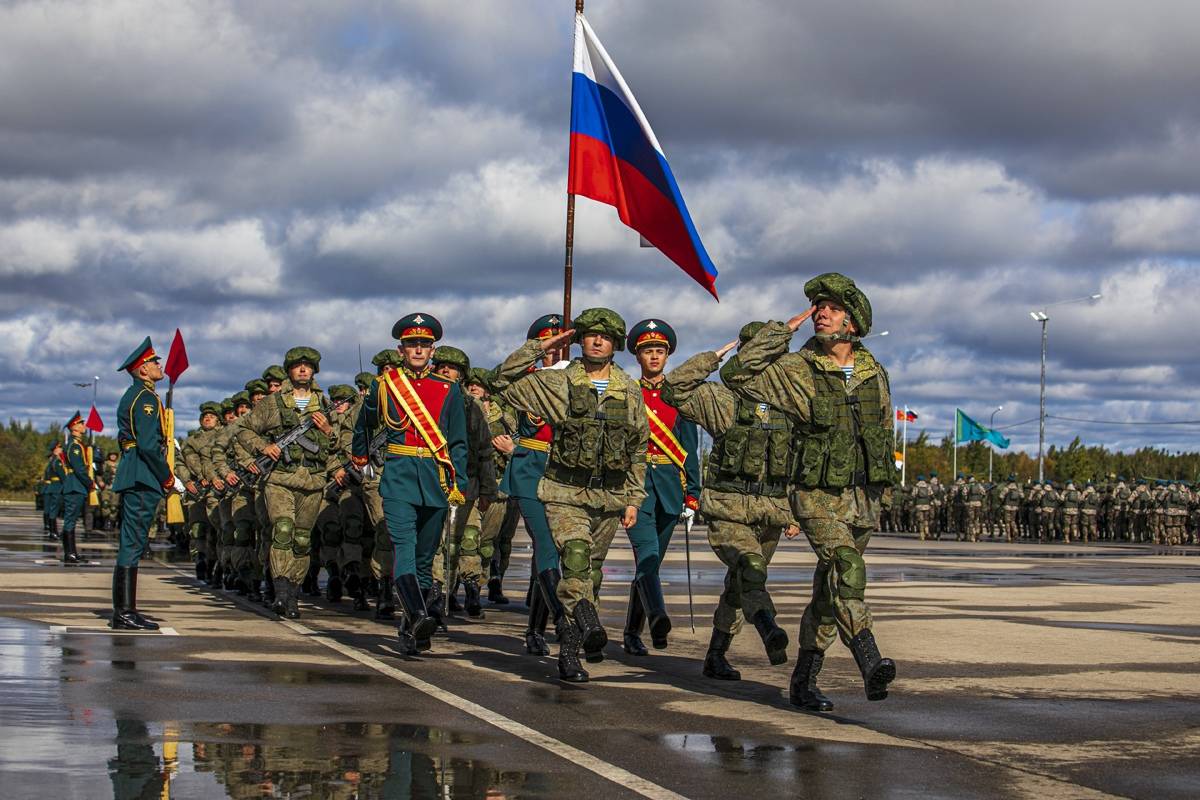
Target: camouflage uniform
column 1048, row 505
column 109, row 502
column 1089, row 501
column 1010, row 507
column 294, row 486
column 844, row 426
column 973, row 498
column 500, row 519
column 596, row 469
column 922, row 499
column 1071, row 508
column 744, row 501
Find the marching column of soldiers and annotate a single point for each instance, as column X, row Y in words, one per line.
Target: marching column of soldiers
column 1150, row 511
column 406, row 488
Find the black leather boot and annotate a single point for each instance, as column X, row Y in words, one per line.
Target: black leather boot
column 496, row 591
column 802, row 690
column 132, row 590
column 592, row 635
column 408, row 642
column 268, row 595
column 124, row 617
column 471, row 596
column 452, row 604
column 569, row 668
column 293, row 601
column 312, row 586
column 715, row 663
column 435, row 605
column 876, row 670
column 535, row 640
column 216, row 575
column 420, row 624
column 69, row 554
column 650, row 589
column 333, row 586
column 254, row 590
column 357, row 592
column 53, row 529
column 547, row 581
column 279, row 605
column 774, row 638
column 385, row 608
column 635, row 616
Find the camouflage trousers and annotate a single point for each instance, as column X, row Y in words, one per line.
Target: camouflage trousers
column 974, row 521
column 838, row 606
column 328, row 536
column 1008, row 523
column 499, row 527
column 382, row 553
column 924, row 516
column 242, row 552
column 1088, row 529
column 582, row 535
column 1070, row 526
column 293, row 513
column 744, row 531
column 463, row 545
column 355, row 545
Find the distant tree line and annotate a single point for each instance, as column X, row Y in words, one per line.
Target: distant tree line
column 24, row 450
column 1076, row 461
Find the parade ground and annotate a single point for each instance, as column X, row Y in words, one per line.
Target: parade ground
column 1024, row 670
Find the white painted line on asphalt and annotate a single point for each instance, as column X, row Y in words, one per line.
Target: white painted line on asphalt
column 62, row 630
column 575, row 756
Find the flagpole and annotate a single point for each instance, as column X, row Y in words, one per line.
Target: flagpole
column 904, row 450
column 955, row 470
column 569, row 261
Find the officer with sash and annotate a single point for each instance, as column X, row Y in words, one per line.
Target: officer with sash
column 143, row 478
column 76, row 485
column 294, row 487
column 528, row 453
column 745, row 498
column 53, row 477
column 839, row 397
column 672, row 484
column 426, row 467
column 596, row 469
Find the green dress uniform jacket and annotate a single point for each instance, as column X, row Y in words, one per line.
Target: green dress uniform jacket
column 140, row 436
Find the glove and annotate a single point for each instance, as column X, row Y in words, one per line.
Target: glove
column 178, row 486
column 688, row 515
column 691, row 503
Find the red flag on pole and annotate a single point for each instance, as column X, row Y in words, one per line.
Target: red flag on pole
column 177, row 360
column 94, row 423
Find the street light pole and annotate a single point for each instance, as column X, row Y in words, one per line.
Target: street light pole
column 991, row 425
column 1043, row 317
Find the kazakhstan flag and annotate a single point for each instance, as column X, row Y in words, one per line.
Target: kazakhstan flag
column 968, row 430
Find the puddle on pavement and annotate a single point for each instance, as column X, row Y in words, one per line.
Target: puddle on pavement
column 54, row 748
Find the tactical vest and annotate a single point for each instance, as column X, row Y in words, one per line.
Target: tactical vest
column 754, row 456
column 922, row 496
column 298, row 457
column 845, row 442
column 590, row 447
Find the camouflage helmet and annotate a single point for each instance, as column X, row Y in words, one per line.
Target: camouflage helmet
column 341, row 393
column 444, row 354
column 363, row 380
column 300, row 355
column 240, row 399
column 750, row 330
column 841, row 290
column 600, row 320
column 274, row 373
column 386, row 358
column 227, row 406
column 211, row 407
column 480, row 377
column 256, row 386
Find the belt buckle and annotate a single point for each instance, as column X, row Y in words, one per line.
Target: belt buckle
column 595, row 482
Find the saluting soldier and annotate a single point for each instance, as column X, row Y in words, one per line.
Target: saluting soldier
column 296, row 481
column 143, row 478
column 596, row 469
column 672, row 485
column 744, row 499
column 76, row 485
column 53, row 477
column 426, row 467
column 529, row 451
column 839, row 396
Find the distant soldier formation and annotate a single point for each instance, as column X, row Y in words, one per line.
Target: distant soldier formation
column 1159, row 511
column 406, row 488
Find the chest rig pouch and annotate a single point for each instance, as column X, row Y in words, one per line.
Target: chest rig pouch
column 845, row 442
column 590, row 447
column 295, row 456
column 755, row 455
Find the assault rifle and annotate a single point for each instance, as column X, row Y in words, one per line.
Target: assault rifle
column 293, row 437
column 354, row 475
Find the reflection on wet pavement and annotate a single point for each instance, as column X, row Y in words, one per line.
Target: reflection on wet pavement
column 50, row 747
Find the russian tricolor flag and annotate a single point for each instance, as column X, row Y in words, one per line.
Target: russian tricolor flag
column 616, row 159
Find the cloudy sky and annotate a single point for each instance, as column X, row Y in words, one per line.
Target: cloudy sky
column 276, row 173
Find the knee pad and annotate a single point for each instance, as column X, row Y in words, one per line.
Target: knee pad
column 597, row 570
column 331, row 536
column 302, row 541
column 282, row 532
column 851, row 573
column 752, row 572
column 197, row 531
column 243, row 535
column 576, row 559
column 469, row 545
column 487, row 550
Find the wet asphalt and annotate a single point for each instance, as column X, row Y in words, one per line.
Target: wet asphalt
column 1044, row 670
